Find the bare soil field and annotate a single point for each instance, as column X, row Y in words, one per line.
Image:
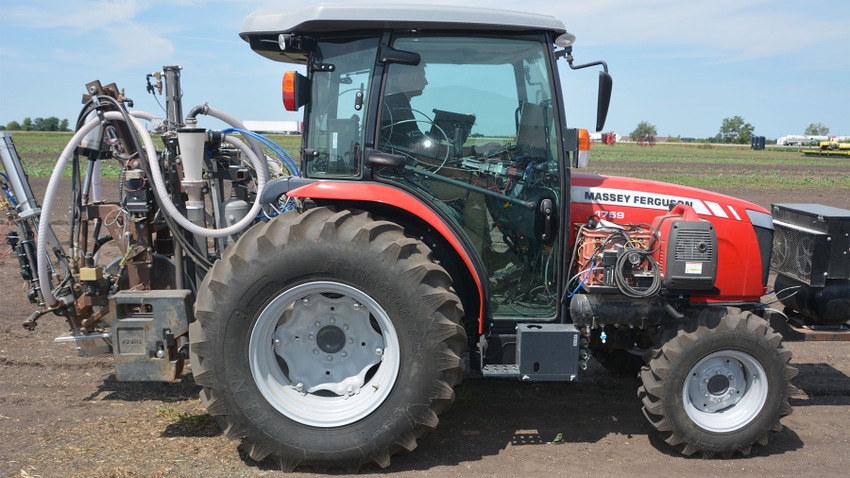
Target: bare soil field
column 66, row 416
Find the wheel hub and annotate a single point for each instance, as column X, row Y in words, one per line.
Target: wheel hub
column 328, row 343
column 717, row 383
column 330, row 339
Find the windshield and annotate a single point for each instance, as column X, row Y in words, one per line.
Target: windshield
column 475, row 121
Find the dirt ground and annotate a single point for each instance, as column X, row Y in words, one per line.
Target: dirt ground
column 66, row 416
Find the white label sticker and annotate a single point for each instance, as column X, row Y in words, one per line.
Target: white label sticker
column 693, row 268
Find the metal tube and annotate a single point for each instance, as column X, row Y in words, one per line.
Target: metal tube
column 27, row 205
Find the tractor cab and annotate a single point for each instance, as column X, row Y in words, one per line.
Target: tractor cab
column 462, row 113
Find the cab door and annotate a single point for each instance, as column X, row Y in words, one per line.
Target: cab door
column 475, row 120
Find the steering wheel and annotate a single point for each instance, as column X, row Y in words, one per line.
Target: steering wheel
column 415, row 153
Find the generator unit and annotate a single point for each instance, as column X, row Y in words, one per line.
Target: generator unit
column 687, row 252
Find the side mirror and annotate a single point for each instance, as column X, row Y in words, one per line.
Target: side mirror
column 604, row 100
column 295, row 90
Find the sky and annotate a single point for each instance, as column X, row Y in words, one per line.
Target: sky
column 682, row 66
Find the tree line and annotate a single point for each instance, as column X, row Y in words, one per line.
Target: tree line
column 39, row 124
column 734, row 130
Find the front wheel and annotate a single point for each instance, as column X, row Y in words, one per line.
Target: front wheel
column 719, row 384
column 327, row 339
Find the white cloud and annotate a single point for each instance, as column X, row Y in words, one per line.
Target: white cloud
column 138, row 45
column 95, row 32
column 77, row 15
column 730, row 29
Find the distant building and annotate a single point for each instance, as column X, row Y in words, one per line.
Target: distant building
column 799, row 139
column 280, row 127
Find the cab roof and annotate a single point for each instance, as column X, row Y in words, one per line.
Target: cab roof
column 263, row 27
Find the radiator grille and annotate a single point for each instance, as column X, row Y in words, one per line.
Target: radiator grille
column 794, row 254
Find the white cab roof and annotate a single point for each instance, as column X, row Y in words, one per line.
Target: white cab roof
column 337, row 17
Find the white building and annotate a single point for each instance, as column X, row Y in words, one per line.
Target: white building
column 283, row 127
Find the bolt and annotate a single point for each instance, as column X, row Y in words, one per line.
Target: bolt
column 315, row 351
column 379, row 351
column 276, row 342
column 305, row 301
column 355, row 306
column 299, row 387
column 330, row 359
column 332, row 320
column 344, row 354
column 731, row 378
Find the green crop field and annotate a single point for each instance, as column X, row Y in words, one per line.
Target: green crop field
column 699, row 165
column 39, row 151
column 710, row 166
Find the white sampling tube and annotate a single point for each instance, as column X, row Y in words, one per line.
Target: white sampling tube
column 44, row 280
column 172, row 210
column 53, row 186
column 234, row 123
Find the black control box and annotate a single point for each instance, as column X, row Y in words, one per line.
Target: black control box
column 811, row 242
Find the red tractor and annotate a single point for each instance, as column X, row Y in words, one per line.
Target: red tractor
column 433, row 227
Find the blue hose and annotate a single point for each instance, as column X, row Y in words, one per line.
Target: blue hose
column 281, row 153
column 9, row 193
column 589, row 269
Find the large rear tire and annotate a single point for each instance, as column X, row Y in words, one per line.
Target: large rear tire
column 327, row 339
column 718, row 384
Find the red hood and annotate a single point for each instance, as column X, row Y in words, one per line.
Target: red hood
column 639, row 201
column 655, row 197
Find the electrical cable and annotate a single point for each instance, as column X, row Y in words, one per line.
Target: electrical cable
column 589, row 270
column 622, row 282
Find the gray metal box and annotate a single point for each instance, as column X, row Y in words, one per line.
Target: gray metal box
column 547, row 352
column 143, row 332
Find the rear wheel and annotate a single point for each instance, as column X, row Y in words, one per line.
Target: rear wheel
column 327, row 339
column 719, row 384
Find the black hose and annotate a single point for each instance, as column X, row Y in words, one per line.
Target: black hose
column 622, row 282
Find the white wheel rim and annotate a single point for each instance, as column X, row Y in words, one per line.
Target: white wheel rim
column 725, row 391
column 347, row 399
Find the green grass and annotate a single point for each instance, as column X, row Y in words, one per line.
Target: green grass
column 698, row 153
column 39, row 152
column 696, row 164
column 715, row 166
